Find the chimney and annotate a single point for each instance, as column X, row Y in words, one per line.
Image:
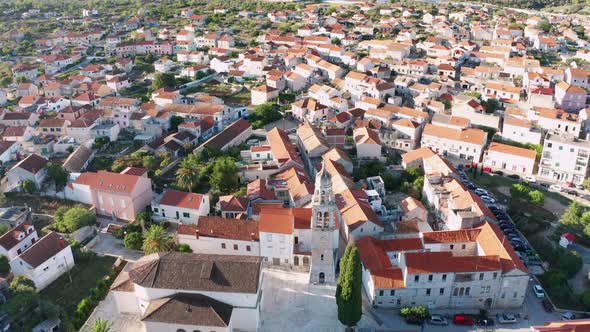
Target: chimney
column 253, row 236
column 62, row 242
column 197, row 234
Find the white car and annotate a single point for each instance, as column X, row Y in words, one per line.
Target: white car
column 568, row 316
column 507, row 319
column 488, row 199
column 539, row 291
column 555, row 187
column 438, row 320
column 530, row 179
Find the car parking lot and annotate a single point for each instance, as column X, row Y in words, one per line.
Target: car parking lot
column 506, row 224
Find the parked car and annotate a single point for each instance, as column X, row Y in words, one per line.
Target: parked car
column 481, row 192
column 514, row 176
column 539, row 291
column 488, row 199
column 568, row 315
column 530, row 179
column 498, row 173
column 507, row 319
column 463, row 320
column 501, row 215
column 571, row 192
column 460, row 167
column 555, row 187
column 438, row 320
column 485, row 321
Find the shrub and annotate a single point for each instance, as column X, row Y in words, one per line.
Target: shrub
column 133, row 241
column 419, row 311
column 183, row 248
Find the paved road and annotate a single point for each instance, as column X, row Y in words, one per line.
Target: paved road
column 531, row 308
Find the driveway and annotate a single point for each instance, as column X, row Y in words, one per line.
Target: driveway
column 108, row 245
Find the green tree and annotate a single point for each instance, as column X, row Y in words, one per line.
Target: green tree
column 23, row 296
column 175, row 120
column 3, row 229
column 223, row 176
column 101, row 325
column 187, row 174
column 570, row 262
column 150, row 162
column 4, row 265
column 585, row 299
column 544, row 25
column 536, row 197
column 49, row 310
column 572, row 215
column 349, row 287
column 28, row 186
column 156, row 239
column 163, row 80
column 58, row 175
column 133, row 241
column 76, row 218
column 519, row 191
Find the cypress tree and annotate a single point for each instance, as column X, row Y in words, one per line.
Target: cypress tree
column 349, row 287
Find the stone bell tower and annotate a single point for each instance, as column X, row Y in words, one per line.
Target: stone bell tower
column 324, row 234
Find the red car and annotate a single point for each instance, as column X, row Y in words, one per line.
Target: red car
column 463, row 320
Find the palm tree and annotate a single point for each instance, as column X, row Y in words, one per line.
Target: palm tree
column 187, row 178
column 156, row 239
column 102, row 325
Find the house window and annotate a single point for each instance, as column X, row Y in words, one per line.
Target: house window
column 495, row 275
column 481, row 276
column 392, row 292
column 430, row 277
column 248, row 248
column 322, row 257
column 235, row 247
column 416, row 278
column 442, row 291
column 186, row 215
column 156, row 210
column 452, row 246
column 455, row 291
column 467, row 291
column 463, row 247
column 381, row 293
column 444, row 277
column 123, row 205
column 427, row 291
column 223, row 246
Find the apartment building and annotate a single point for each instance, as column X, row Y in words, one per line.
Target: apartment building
column 466, row 144
column 470, row 268
column 564, row 159
column 510, row 159
column 521, row 130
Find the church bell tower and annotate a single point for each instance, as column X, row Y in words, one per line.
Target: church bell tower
column 324, row 236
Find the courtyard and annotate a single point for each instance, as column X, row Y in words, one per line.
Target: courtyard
column 290, row 303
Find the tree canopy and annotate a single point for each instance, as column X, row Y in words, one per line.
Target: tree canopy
column 349, row 287
column 58, row 175
column 73, row 219
column 163, row 80
column 156, row 239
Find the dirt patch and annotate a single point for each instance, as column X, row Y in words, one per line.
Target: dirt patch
column 551, row 204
